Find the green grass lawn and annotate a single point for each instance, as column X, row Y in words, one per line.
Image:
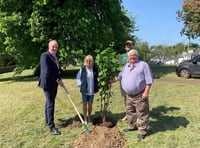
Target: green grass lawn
column 174, row 105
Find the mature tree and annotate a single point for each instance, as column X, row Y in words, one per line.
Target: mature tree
column 158, row 52
column 144, row 50
column 170, row 52
column 190, row 15
column 80, row 26
column 179, row 48
column 194, row 45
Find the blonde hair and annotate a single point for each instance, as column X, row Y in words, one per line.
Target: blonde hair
column 90, row 58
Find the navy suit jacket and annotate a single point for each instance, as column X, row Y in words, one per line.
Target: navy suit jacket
column 49, row 71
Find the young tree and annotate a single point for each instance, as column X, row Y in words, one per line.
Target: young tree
column 190, row 15
column 108, row 65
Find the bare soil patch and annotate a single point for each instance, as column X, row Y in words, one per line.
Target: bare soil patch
column 102, row 135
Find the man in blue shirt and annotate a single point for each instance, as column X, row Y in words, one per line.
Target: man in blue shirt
column 136, row 80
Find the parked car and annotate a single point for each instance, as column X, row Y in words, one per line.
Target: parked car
column 189, row 68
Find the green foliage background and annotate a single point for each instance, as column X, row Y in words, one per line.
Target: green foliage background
column 80, row 27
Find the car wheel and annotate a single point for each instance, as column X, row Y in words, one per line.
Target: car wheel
column 185, row 73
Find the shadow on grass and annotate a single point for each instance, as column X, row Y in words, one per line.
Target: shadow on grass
column 67, row 74
column 163, row 122
column 27, row 78
column 75, row 121
column 95, row 119
column 110, row 114
column 64, row 123
column 160, row 120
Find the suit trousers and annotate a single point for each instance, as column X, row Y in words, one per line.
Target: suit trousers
column 137, row 111
column 50, row 95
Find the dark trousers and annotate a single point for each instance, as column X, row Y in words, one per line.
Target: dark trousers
column 50, row 95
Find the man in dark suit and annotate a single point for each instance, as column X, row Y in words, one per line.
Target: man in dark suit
column 50, row 78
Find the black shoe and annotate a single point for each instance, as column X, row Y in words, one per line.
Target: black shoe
column 55, row 131
column 128, row 130
column 140, row 137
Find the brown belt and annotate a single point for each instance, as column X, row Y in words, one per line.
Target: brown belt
column 134, row 95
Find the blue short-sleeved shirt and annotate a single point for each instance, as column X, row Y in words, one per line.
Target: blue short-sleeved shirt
column 134, row 79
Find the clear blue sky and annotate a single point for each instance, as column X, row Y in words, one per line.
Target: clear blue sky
column 156, row 20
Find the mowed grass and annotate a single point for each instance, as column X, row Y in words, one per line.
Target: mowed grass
column 174, row 106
